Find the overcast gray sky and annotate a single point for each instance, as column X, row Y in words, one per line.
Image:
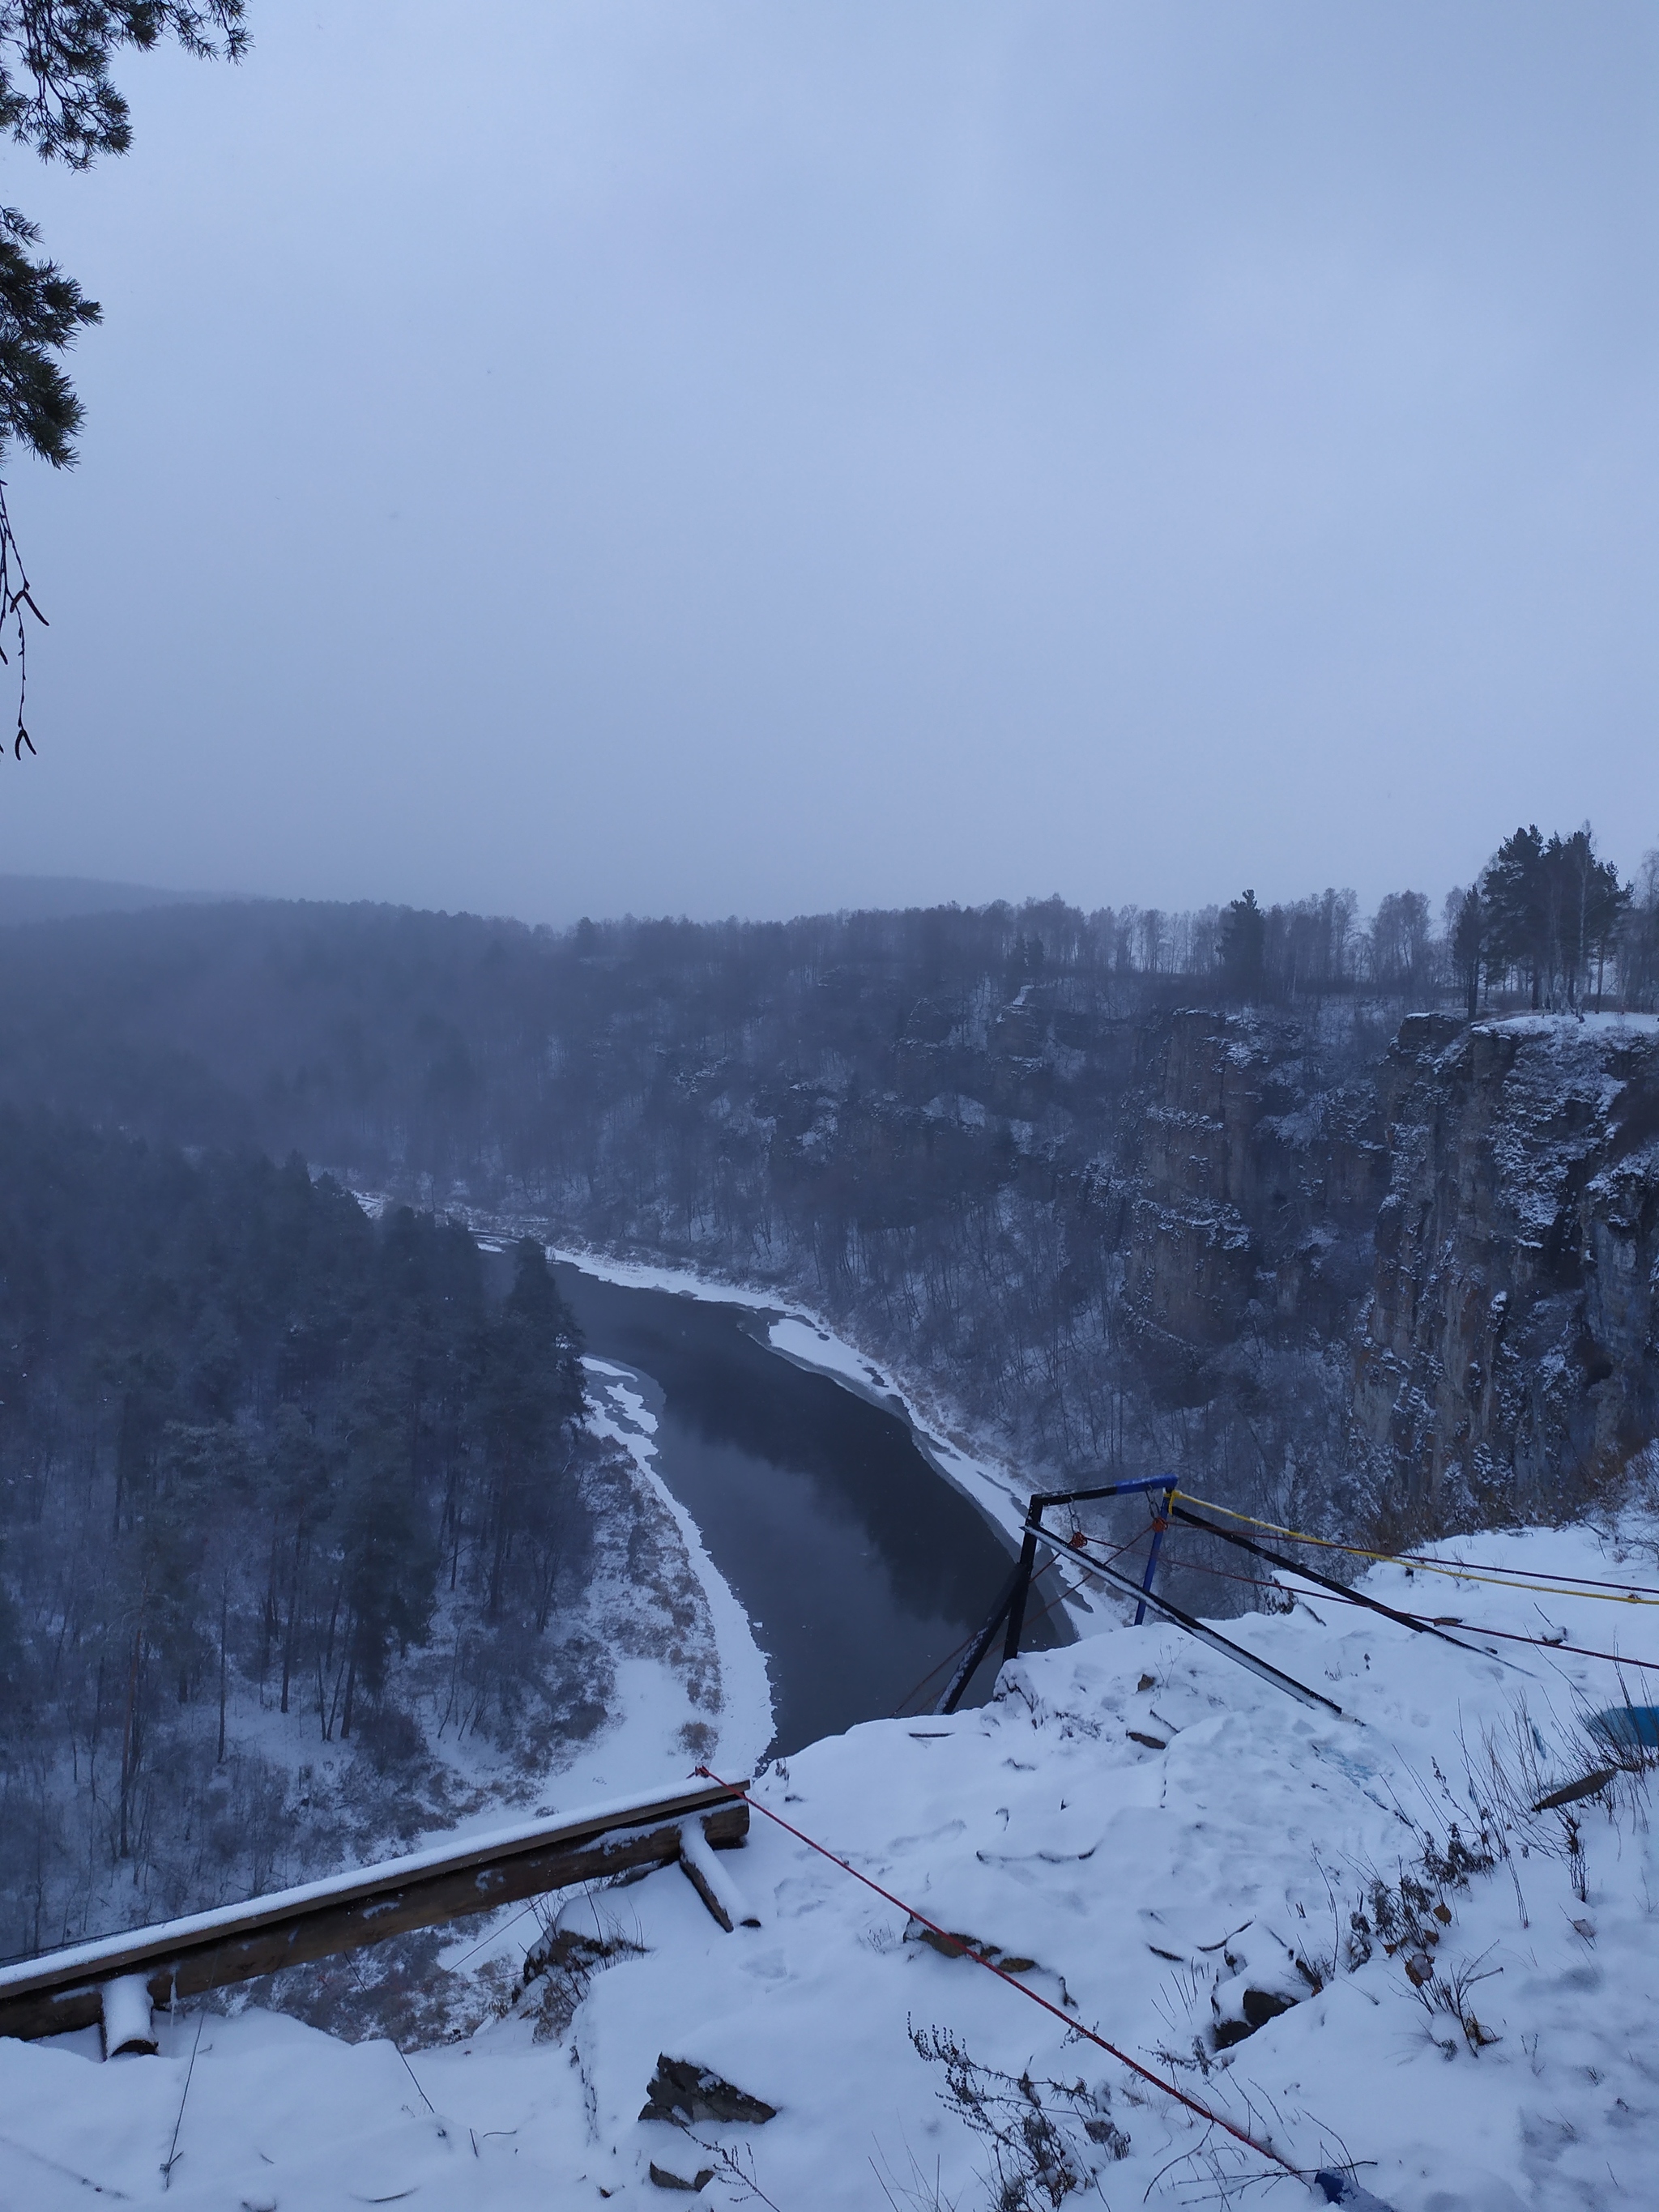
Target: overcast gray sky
column 721, row 457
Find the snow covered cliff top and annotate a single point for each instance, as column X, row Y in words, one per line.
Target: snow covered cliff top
column 1602, row 1025
column 1163, row 1847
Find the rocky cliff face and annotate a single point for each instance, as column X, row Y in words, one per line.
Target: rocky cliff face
column 1508, row 1355
column 1258, row 1180
column 1402, row 1273
column 1472, row 1220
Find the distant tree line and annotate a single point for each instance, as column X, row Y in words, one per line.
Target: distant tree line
column 1550, row 917
column 252, row 1444
column 1548, row 922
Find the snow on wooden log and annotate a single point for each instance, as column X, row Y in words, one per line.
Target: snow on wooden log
column 126, row 2016
column 50, row 1995
column 724, row 1898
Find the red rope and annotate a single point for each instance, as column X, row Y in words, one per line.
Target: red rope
column 1169, row 2089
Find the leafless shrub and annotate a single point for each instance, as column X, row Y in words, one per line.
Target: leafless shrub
column 920, row 2192
column 736, row 2168
column 1185, row 1997
column 1217, row 2170
column 1539, row 1792
column 1451, row 1993
column 564, row 1961
column 1047, row 2139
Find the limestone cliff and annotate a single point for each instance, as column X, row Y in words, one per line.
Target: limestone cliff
column 1507, row 1355
column 1472, row 1218
column 1258, row 1174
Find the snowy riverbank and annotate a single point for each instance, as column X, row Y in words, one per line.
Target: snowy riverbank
column 1455, row 1989
column 666, row 1725
column 684, row 1677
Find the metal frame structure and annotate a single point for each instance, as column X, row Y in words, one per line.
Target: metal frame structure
column 1011, row 1599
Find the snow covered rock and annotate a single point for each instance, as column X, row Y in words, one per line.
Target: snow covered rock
column 681, row 2090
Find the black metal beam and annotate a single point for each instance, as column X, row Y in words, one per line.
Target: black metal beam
column 1206, row 1634
column 963, row 1674
column 1022, row 1585
column 1041, row 1499
column 1324, row 1581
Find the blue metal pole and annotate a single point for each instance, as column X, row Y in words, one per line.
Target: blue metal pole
column 1160, row 1522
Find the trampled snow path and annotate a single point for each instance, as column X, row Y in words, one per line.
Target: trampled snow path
column 1149, row 1885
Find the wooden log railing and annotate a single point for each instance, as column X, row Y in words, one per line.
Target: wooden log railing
column 49, row 1995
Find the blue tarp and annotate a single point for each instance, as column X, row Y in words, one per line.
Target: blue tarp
column 1629, row 1727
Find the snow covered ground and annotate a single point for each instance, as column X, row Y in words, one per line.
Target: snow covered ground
column 1600, row 1024
column 1156, row 1842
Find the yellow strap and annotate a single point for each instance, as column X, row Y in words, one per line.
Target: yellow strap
column 1497, row 1579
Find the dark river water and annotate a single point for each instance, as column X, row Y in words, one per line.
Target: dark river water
column 858, row 1566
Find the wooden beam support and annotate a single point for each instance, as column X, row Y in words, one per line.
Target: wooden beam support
column 50, row 1995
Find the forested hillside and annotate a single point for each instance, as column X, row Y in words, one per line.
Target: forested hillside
column 1125, row 1190
column 254, row 1447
